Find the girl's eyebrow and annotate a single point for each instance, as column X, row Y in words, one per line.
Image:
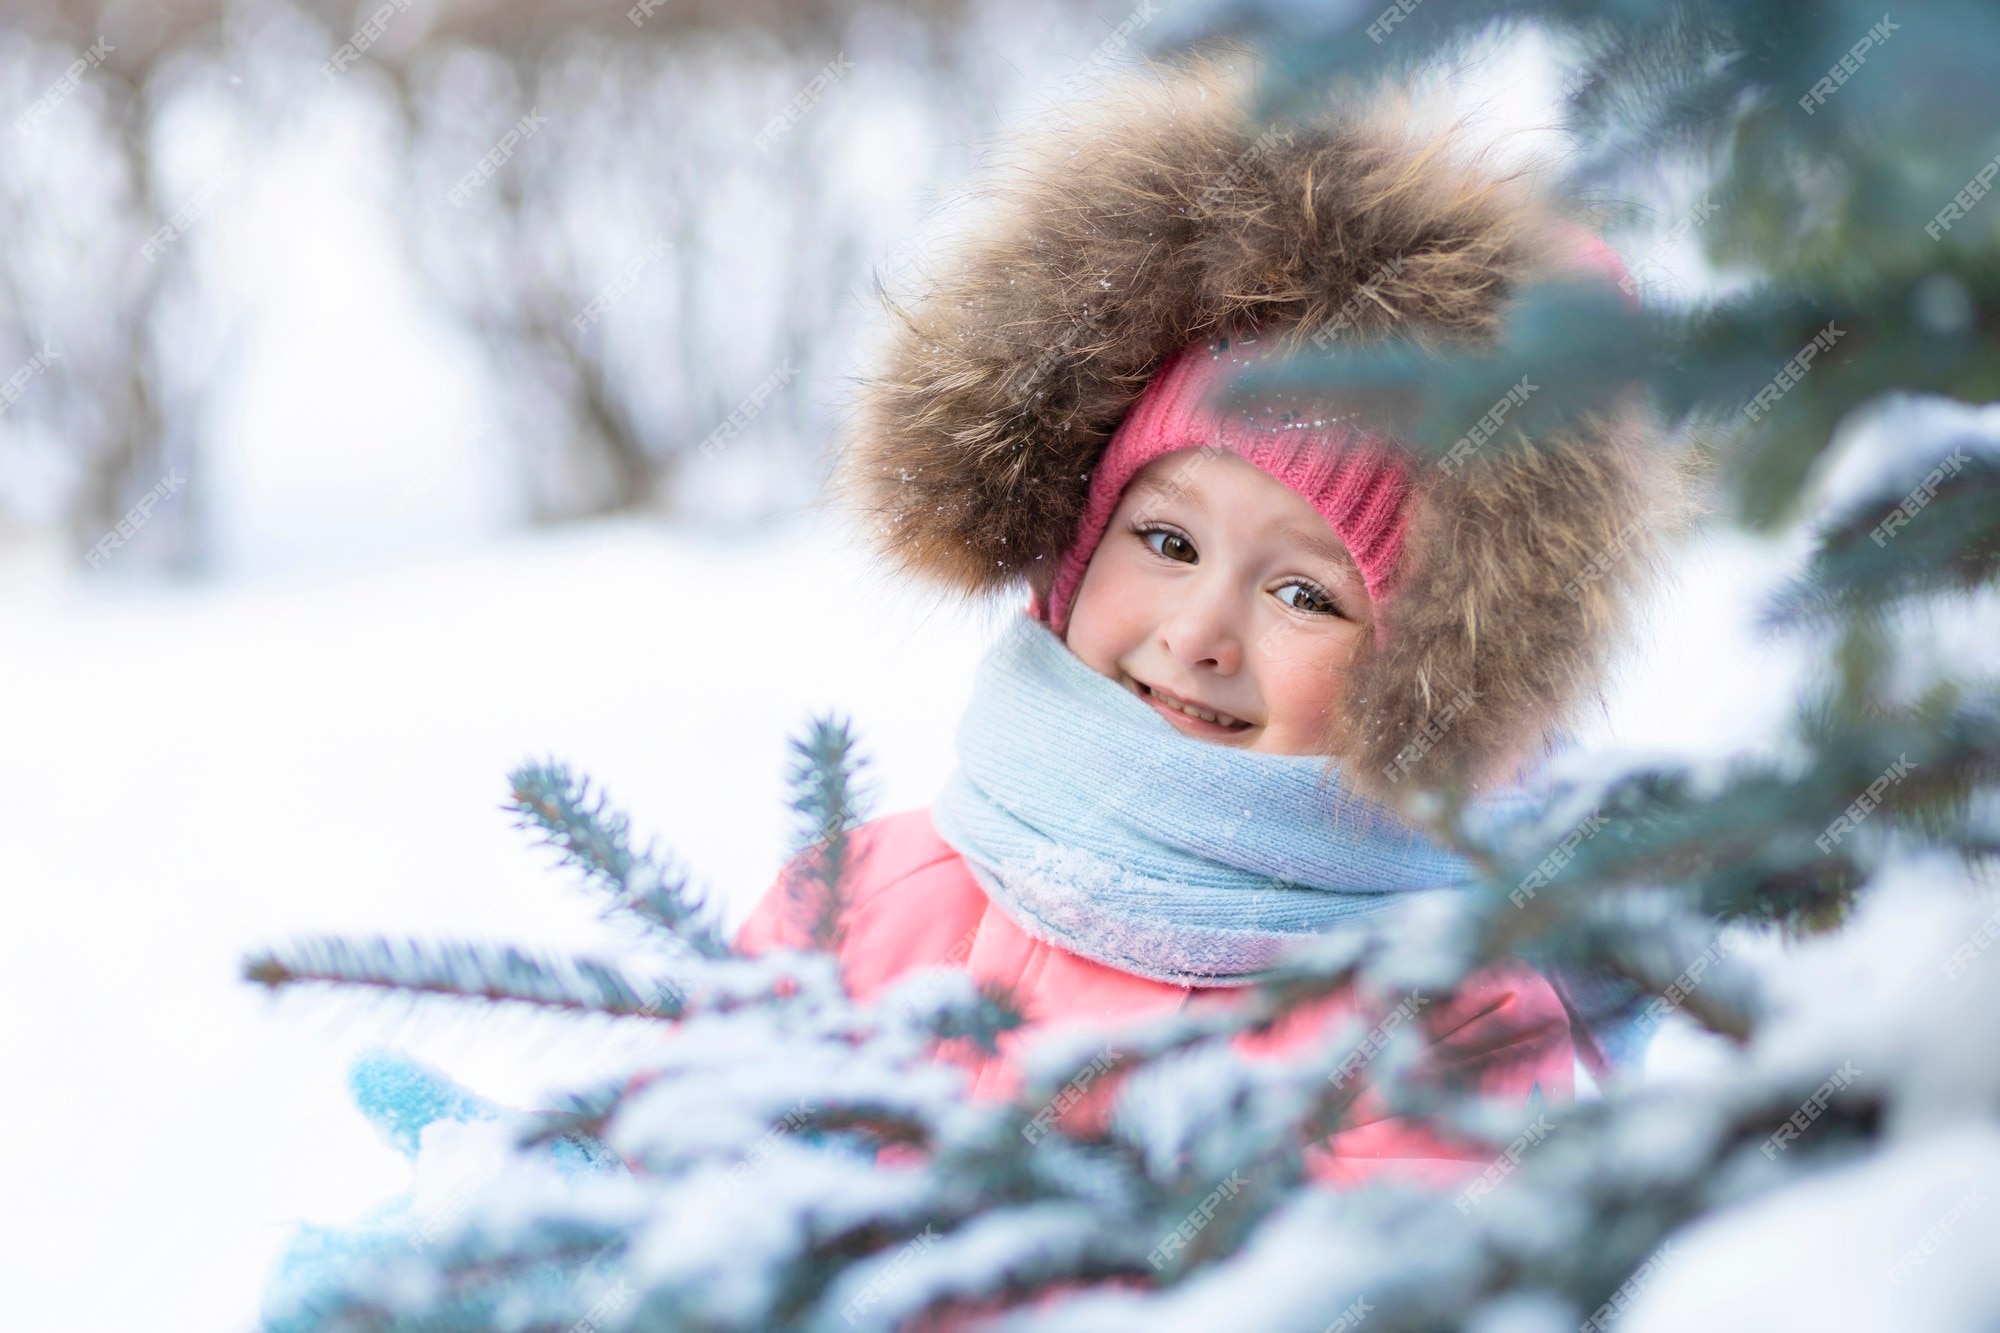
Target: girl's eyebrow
column 1168, row 489
column 1327, row 547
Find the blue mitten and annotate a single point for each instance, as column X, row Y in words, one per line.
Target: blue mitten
column 400, row 1098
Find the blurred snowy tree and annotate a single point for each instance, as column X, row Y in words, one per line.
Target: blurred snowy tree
column 1826, row 912
column 653, row 224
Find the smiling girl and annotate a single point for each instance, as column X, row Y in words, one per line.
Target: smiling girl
column 1235, row 579
column 1250, row 628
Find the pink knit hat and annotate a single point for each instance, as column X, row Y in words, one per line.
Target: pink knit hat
column 1355, row 483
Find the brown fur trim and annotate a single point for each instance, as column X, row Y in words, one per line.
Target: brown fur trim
column 1165, row 213
column 1521, row 578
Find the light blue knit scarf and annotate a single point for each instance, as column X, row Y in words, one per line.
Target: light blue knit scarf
column 1098, row 826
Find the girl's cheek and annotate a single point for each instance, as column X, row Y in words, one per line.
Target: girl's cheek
column 1105, row 619
column 1304, row 691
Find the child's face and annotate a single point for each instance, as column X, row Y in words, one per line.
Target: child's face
column 1217, row 583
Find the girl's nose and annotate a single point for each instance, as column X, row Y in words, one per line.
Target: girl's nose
column 1204, row 629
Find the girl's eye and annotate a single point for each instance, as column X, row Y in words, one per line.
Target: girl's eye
column 1181, row 543
column 1313, row 600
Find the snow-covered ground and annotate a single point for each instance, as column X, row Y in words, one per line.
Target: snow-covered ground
column 194, row 774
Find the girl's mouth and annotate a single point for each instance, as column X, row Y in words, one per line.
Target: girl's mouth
column 1190, row 718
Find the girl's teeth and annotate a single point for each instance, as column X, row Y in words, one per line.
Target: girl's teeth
column 1222, row 719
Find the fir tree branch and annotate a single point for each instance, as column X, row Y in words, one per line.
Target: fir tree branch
column 461, row 970
column 823, row 780
column 596, row 839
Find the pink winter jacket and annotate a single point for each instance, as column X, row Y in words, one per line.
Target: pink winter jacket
column 911, row 901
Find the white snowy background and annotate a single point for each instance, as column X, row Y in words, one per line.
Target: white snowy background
column 315, row 738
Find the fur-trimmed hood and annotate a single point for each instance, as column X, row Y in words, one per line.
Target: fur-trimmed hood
column 1165, row 214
